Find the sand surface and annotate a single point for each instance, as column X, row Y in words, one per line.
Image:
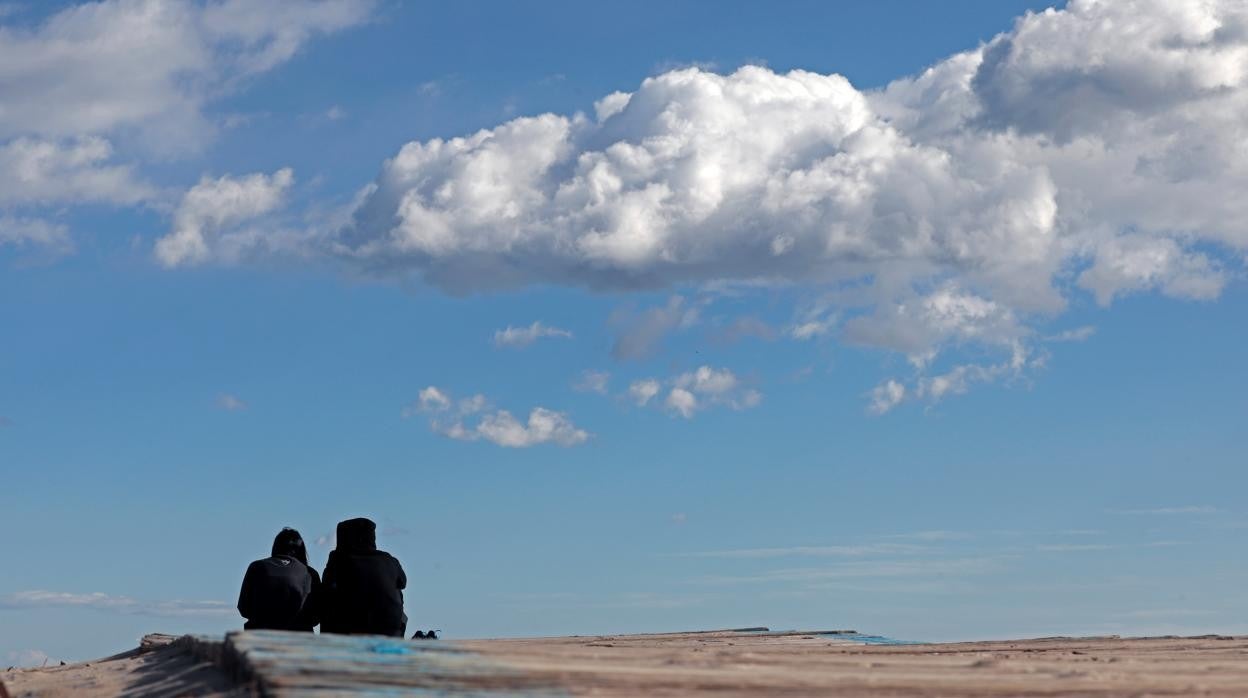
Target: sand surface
column 745, row 664
column 157, row 670
column 810, row 664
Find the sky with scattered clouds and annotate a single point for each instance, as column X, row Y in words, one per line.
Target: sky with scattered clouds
column 914, row 317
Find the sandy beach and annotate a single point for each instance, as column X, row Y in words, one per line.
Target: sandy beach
column 723, row 663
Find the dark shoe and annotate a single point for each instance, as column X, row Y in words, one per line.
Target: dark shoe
column 419, row 636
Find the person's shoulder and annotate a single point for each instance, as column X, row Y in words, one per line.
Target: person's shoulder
column 392, row 558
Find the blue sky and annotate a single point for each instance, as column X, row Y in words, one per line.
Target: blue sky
column 943, row 355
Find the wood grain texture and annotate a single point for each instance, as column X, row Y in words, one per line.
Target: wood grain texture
column 717, row 663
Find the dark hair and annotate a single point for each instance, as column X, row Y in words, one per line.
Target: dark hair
column 289, row 542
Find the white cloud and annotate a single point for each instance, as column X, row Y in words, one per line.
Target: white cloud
column 886, row 396
column 1099, row 148
column 432, row 399
column 524, row 336
column 95, row 90
column 691, row 392
column 1126, row 264
column 1077, row 334
column 230, row 403
column 956, row 381
column 37, row 171
column 474, row 419
column 642, row 391
column 543, row 426
column 35, row 233
column 205, row 224
column 149, row 67
column 812, row 329
column 123, row 604
column 592, row 382
column 682, row 402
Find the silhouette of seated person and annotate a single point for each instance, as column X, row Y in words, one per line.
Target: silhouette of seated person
column 280, row 592
column 363, row 588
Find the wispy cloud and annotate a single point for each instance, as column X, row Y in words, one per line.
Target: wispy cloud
column 866, row 569
column 813, row 551
column 1168, row 511
column 231, row 403
column 519, row 337
column 1073, row 547
column 1077, row 334
column 748, row 327
column 639, row 333
column 592, row 382
column 122, row 604
column 931, row 535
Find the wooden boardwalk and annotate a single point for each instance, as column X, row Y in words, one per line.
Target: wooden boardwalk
column 723, row 663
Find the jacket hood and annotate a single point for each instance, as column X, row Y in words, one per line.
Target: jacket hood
column 357, row 536
column 289, row 542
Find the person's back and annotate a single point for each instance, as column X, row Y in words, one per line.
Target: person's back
column 278, row 592
column 363, row 586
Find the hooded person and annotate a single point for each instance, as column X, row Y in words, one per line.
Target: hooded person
column 363, row 588
column 280, row 592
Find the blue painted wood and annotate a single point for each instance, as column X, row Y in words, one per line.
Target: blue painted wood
column 276, row 663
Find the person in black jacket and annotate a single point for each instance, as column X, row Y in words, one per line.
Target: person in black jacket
column 363, row 589
column 280, row 592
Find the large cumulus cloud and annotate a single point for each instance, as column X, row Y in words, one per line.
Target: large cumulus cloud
column 1101, row 150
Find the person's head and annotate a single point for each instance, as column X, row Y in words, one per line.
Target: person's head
column 288, row 542
column 357, row 535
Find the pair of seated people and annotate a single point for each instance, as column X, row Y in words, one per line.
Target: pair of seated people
column 361, row 592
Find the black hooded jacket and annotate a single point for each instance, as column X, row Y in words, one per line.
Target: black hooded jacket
column 363, row 589
column 280, row 592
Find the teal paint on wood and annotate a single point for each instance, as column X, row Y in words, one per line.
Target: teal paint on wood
column 279, row 664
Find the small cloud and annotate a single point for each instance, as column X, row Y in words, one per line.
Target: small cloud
column 693, row 391
column 230, row 403
column 592, row 382
column 815, row 551
column 524, row 336
column 28, row 659
column 5, row 422
column 122, row 604
column 1077, row 334
column 886, row 396
column 1168, row 511
column 682, row 402
column 431, row 88
column 471, row 419
column 679, row 518
column 330, row 539
column 430, row 399
column 1073, row 547
column 335, row 113
column 642, row 391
